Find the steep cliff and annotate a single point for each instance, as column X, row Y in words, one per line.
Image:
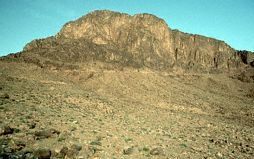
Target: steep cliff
column 142, row 40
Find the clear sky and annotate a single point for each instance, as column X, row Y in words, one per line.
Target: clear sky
column 230, row 20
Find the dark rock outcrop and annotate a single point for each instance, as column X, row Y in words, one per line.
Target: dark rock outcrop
column 247, row 57
column 142, row 40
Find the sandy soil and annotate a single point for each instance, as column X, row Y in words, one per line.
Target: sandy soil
column 103, row 114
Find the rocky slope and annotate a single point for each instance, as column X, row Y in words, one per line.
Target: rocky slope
column 91, row 113
column 142, row 40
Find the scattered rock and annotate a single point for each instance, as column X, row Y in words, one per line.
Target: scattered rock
column 156, row 151
column 211, row 140
column 8, row 150
column 250, row 93
column 6, row 130
column 16, row 130
column 75, row 122
column 20, row 144
column 73, row 128
column 146, row 149
column 128, row 150
column 5, row 96
column 61, row 138
column 70, row 152
column 32, row 125
column 76, row 147
column 96, row 142
column 219, row 155
column 28, row 155
column 42, row 153
column 46, row 133
column 64, row 151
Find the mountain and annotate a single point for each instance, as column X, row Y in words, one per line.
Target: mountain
column 111, row 85
column 142, row 40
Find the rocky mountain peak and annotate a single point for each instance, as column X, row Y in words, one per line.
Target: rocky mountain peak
column 141, row 40
column 103, row 27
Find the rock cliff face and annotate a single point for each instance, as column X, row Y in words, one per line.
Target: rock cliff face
column 247, row 57
column 142, row 40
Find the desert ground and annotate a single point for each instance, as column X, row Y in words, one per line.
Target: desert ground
column 99, row 113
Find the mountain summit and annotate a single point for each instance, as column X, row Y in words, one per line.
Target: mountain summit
column 141, row 40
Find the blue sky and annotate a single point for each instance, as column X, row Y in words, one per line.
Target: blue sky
column 230, row 20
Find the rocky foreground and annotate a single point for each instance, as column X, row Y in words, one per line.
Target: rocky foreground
column 111, row 85
column 94, row 113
